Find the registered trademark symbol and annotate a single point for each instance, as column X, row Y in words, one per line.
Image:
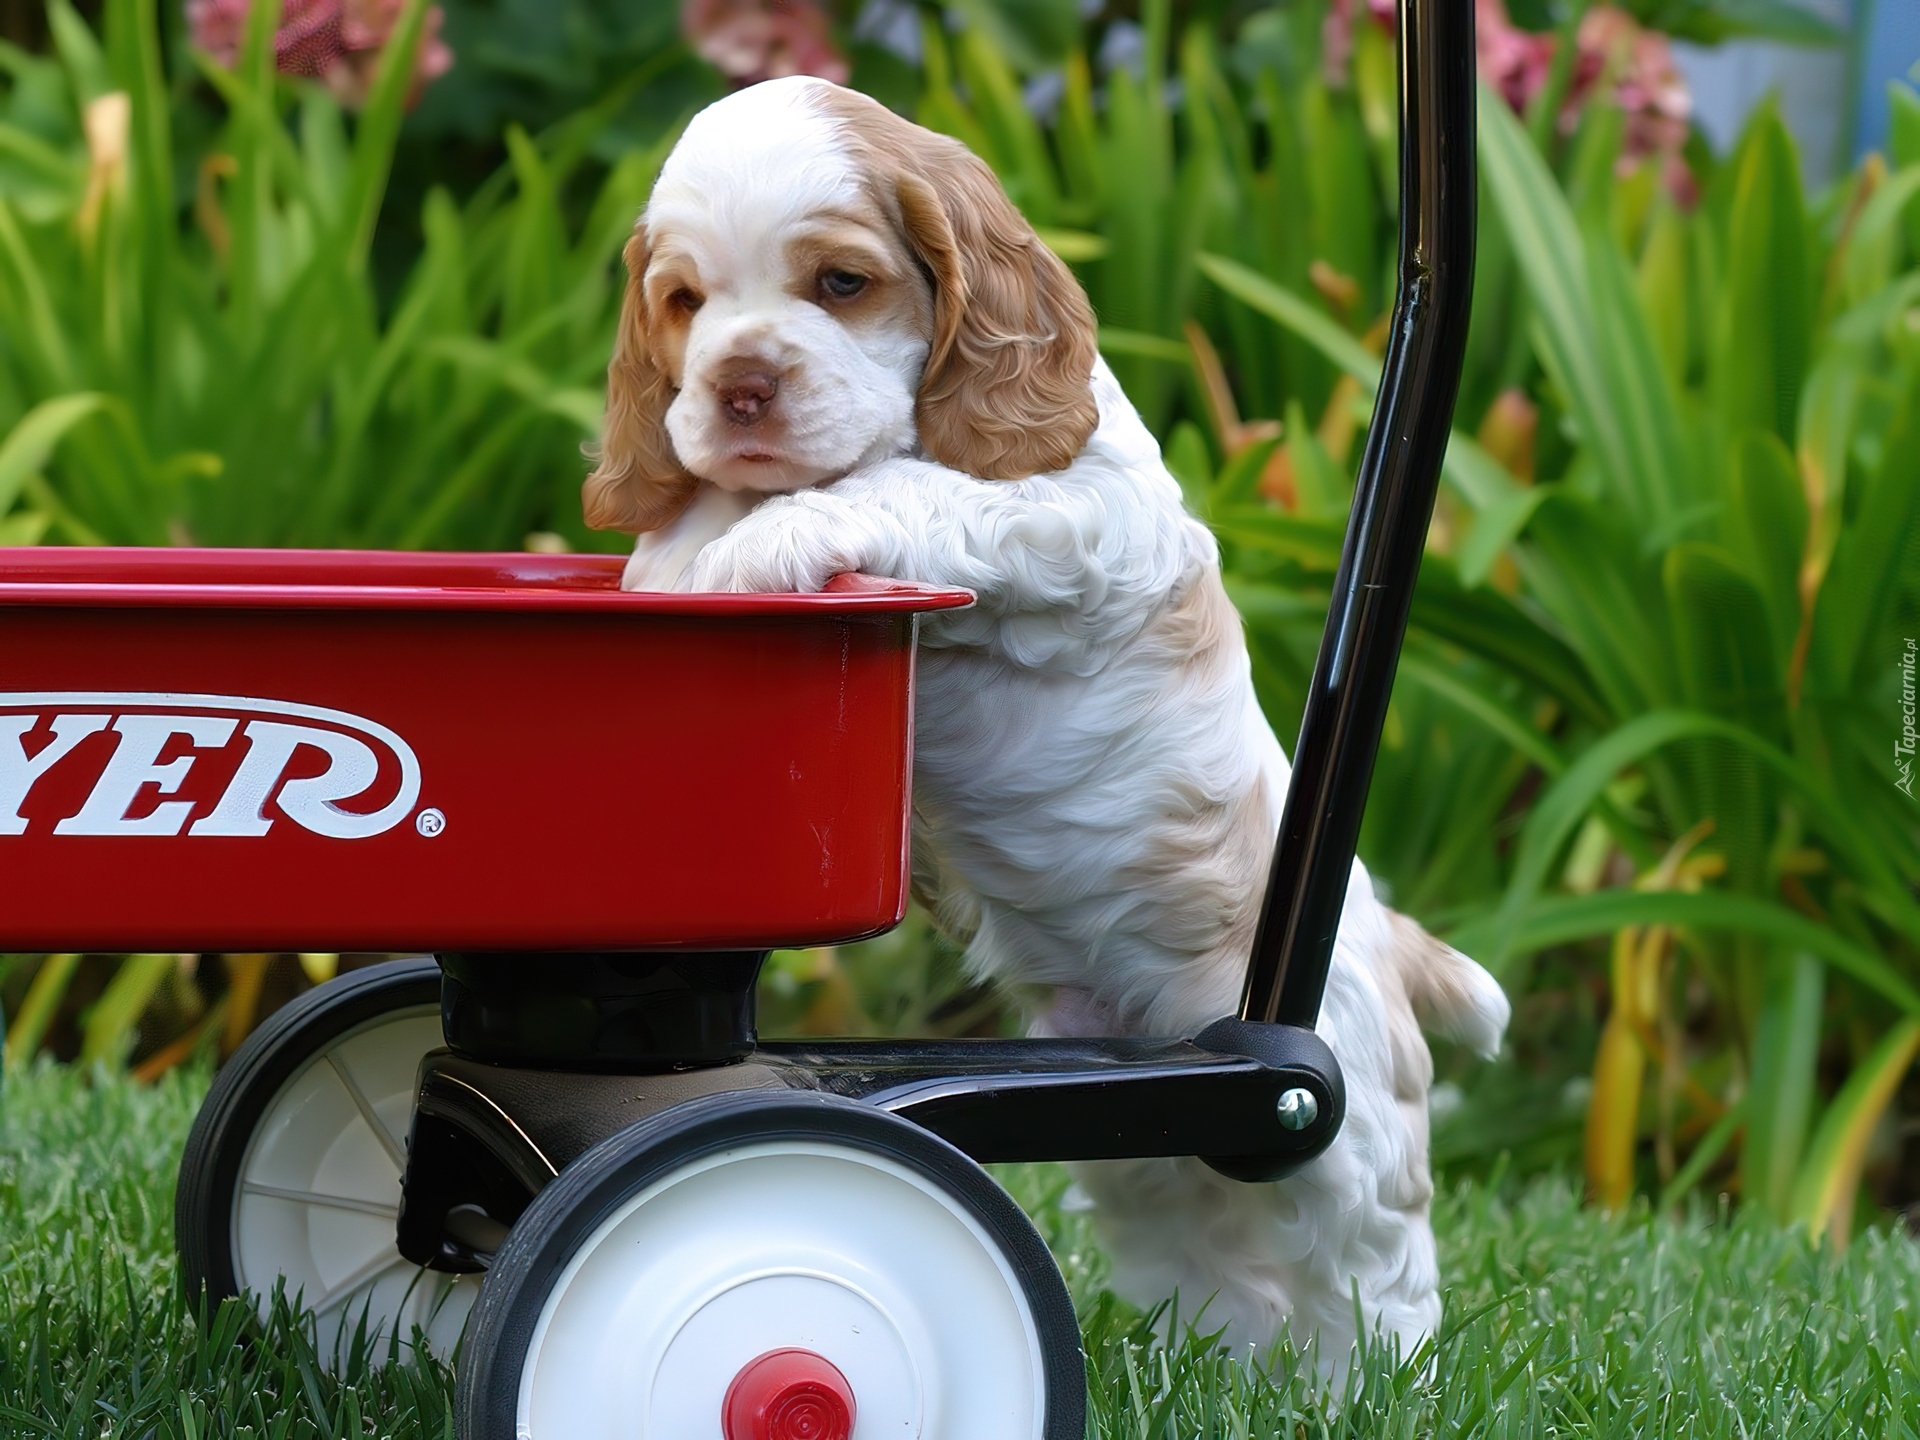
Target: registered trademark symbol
column 430, row 821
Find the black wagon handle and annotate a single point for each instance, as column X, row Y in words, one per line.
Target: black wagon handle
column 1386, row 531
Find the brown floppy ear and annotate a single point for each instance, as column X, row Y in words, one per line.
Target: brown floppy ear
column 637, row 484
column 1007, row 389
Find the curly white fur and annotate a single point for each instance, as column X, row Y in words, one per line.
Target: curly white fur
column 1096, row 794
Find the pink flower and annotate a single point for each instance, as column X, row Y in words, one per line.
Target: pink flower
column 1617, row 58
column 1336, row 34
column 336, row 41
column 750, row 40
column 1646, row 83
column 1512, row 61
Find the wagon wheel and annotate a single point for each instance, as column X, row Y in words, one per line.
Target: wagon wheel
column 772, row 1268
column 291, row 1174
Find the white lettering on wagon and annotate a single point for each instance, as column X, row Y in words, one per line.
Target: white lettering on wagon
column 195, row 728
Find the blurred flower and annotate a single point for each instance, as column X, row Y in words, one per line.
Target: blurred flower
column 1508, row 432
column 1616, row 57
column 107, row 120
column 749, row 40
column 1336, row 34
column 336, row 41
column 1616, row 50
column 1513, row 61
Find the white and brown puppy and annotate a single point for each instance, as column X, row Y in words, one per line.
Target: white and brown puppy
column 843, row 349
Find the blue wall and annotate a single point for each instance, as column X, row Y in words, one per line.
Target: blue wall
column 1890, row 50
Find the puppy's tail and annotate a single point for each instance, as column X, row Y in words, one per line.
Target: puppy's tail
column 1452, row 996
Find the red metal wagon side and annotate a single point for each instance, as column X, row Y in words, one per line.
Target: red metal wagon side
column 243, row 750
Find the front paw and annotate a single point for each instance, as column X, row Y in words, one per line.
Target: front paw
column 770, row 553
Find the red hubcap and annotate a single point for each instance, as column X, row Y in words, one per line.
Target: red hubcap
column 788, row 1395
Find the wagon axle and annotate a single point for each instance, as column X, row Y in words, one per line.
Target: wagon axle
column 641, row 1033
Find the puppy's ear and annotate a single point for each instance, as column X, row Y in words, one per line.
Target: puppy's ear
column 1007, row 389
column 637, row 483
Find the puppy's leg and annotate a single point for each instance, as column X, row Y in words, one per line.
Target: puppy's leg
column 1295, row 1256
column 1078, row 558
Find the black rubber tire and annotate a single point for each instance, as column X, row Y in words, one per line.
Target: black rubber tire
column 248, row 1083
column 571, row 1209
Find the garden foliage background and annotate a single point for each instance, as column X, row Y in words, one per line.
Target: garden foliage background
column 1643, row 757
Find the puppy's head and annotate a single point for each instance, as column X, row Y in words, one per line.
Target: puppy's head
column 817, row 283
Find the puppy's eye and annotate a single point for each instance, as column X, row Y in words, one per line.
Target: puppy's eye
column 842, row 284
column 685, row 300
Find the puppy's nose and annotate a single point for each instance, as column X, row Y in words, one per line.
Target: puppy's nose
column 746, row 395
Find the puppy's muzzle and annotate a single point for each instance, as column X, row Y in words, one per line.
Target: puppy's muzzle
column 746, row 394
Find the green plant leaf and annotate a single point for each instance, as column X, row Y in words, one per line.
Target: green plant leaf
column 37, row 1010
column 1076, row 247
column 1723, row 639
column 1558, row 919
column 1322, row 489
column 56, row 167
column 1267, row 604
column 1239, row 479
column 1552, row 257
column 1315, row 542
column 1661, row 280
column 1759, row 350
column 1782, row 1087
column 1765, row 526
column 1829, row 405
column 112, row 1022
column 1454, row 685
column 1640, row 388
column 133, row 55
column 1872, row 572
column 1492, row 626
column 1873, row 246
column 1473, row 472
column 79, row 52
column 31, row 321
column 1186, row 455
column 1481, row 480
column 379, row 128
column 1709, row 1149
column 26, row 527
column 1561, row 807
column 1017, row 148
column 1830, row 1176
column 1725, row 654
column 1300, row 316
column 31, row 442
column 1494, row 528
column 1114, row 341
column 1584, row 565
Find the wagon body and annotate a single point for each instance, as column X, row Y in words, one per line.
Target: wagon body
column 233, row 750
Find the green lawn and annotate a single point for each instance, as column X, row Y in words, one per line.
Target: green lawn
column 1560, row 1323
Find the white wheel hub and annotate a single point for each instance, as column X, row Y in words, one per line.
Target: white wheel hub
column 319, row 1193
column 786, row 1244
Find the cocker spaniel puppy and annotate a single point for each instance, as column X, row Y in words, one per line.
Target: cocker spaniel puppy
column 842, row 348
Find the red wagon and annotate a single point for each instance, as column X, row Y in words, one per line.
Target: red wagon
column 288, row 750
column 560, row 1143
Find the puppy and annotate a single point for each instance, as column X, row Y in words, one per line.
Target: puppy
column 842, row 349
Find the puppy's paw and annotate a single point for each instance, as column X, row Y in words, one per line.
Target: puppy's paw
column 793, row 544
column 788, row 546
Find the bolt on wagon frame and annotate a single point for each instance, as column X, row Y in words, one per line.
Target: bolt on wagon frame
column 563, row 1137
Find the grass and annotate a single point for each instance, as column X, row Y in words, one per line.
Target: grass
column 1560, row 1321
